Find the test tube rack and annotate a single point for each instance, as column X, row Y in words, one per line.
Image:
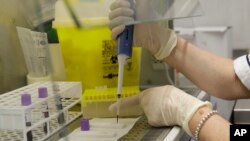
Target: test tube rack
column 12, row 113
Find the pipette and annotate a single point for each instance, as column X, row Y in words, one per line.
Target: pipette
column 124, row 51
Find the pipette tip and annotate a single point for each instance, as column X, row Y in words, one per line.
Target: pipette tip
column 118, row 106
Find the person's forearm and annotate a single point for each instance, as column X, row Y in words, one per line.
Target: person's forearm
column 214, row 129
column 211, row 73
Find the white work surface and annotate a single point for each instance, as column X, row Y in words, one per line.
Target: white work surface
column 103, row 129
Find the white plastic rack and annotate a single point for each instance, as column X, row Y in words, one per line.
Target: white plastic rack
column 12, row 113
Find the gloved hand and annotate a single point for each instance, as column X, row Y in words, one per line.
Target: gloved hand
column 165, row 106
column 159, row 40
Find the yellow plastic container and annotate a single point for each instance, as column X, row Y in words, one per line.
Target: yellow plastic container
column 90, row 57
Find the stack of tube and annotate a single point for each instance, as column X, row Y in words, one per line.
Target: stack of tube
column 35, row 50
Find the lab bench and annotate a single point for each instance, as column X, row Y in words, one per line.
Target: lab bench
column 141, row 130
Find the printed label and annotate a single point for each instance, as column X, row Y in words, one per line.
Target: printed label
column 28, row 116
column 110, row 62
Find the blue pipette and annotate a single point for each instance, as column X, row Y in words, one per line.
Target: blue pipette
column 124, row 51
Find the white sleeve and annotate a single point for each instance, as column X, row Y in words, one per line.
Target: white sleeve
column 242, row 69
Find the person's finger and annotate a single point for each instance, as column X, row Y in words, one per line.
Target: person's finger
column 127, row 12
column 128, row 102
column 119, row 3
column 120, row 20
column 116, row 31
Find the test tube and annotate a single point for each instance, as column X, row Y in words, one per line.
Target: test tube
column 43, row 93
column 26, row 101
column 59, row 107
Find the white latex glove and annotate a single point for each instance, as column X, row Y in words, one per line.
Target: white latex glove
column 159, row 40
column 165, row 106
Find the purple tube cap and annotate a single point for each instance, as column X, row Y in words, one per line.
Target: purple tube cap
column 42, row 92
column 25, row 99
column 84, row 124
